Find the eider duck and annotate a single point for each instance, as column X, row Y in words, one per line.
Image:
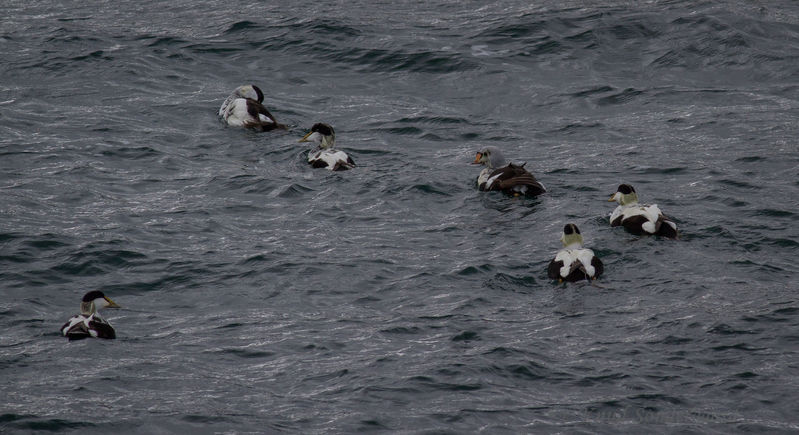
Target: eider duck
column 639, row 219
column 324, row 156
column 244, row 108
column 511, row 179
column 573, row 262
column 89, row 323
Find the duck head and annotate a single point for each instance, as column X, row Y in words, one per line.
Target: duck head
column 250, row 91
column 321, row 134
column 625, row 195
column 571, row 236
column 489, row 156
column 95, row 300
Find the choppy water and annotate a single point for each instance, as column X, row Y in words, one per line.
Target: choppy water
column 262, row 295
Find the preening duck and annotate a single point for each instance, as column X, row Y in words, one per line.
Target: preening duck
column 639, row 219
column 324, row 156
column 573, row 262
column 507, row 177
column 89, row 323
column 244, row 108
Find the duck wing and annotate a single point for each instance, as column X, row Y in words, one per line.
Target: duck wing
column 331, row 159
column 76, row 328
column 256, row 110
column 577, row 272
column 666, row 228
column 574, row 265
column 99, row 328
column 646, row 220
column 598, row 266
column 634, row 224
column 553, row 271
column 515, row 179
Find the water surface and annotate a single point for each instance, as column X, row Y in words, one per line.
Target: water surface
column 262, row 295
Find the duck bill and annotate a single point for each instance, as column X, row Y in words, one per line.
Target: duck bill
column 111, row 304
column 613, row 197
column 305, row 138
column 477, row 159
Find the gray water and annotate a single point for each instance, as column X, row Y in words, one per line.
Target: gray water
column 261, row 295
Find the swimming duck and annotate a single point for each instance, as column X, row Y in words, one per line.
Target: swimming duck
column 573, row 262
column 324, row 156
column 89, row 323
column 639, row 219
column 509, row 178
column 244, row 108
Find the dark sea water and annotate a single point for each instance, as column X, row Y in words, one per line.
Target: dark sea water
column 261, row 295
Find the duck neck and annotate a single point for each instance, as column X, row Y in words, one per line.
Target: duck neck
column 327, row 142
column 87, row 308
column 497, row 161
column 572, row 241
column 629, row 200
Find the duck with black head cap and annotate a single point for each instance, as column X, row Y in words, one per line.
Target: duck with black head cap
column 244, row 108
column 325, row 155
column 573, row 262
column 89, row 323
column 640, row 219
